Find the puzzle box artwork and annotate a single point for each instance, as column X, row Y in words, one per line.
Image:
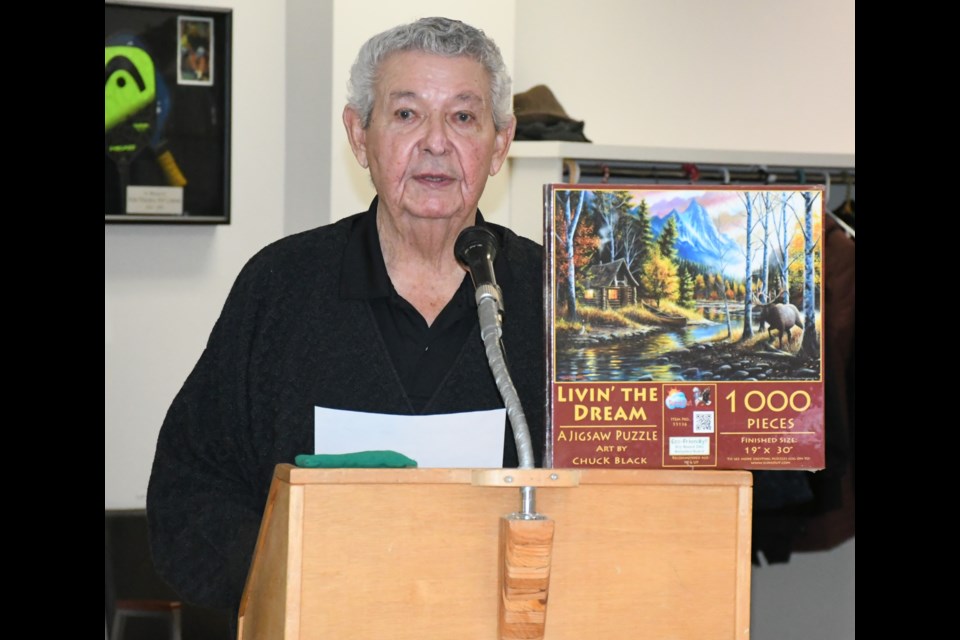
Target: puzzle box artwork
column 684, row 326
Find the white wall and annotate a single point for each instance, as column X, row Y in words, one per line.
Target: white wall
column 309, row 45
column 812, row 597
column 164, row 285
column 737, row 74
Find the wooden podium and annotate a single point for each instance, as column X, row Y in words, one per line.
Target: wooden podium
column 414, row 554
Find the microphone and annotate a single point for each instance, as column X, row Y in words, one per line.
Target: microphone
column 476, row 248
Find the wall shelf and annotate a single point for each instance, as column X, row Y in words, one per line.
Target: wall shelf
column 524, row 149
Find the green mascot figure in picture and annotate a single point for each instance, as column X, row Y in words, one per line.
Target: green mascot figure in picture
column 137, row 105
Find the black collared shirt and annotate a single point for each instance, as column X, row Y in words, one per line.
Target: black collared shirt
column 421, row 354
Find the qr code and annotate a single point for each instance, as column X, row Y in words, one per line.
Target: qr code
column 703, row 421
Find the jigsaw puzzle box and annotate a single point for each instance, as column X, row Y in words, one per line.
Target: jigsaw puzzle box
column 684, row 326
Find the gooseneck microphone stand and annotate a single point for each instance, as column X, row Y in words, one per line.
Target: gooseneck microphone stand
column 476, row 248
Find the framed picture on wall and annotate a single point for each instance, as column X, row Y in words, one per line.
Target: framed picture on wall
column 166, row 114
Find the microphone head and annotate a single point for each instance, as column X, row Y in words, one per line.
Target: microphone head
column 475, row 244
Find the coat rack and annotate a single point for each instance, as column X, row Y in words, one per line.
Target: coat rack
column 673, row 172
column 535, row 163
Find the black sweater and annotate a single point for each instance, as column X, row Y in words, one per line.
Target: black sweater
column 288, row 340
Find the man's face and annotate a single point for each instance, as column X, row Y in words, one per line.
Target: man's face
column 431, row 142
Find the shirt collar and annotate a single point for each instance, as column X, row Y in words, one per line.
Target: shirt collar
column 364, row 275
column 364, row 272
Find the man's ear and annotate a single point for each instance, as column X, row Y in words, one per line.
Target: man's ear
column 502, row 145
column 356, row 134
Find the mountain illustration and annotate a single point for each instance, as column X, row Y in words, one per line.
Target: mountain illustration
column 697, row 238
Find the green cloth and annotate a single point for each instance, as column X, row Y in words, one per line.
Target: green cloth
column 358, row 460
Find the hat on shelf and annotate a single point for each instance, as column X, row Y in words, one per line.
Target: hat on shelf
column 541, row 117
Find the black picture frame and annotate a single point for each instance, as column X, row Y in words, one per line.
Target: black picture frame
column 167, row 75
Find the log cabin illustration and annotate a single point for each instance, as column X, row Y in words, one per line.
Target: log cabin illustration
column 608, row 285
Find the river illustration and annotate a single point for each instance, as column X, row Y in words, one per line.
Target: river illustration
column 695, row 352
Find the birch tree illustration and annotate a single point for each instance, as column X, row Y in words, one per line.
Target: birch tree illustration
column 747, row 200
column 811, row 341
column 571, row 219
column 765, row 243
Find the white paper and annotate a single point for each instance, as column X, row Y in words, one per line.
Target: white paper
column 469, row 440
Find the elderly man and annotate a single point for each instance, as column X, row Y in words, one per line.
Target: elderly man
column 371, row 313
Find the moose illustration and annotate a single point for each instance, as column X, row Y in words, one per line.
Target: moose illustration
column 779, row 316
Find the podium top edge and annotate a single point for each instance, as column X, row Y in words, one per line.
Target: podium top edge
column 300, row 476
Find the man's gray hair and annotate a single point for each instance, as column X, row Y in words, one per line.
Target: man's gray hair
column 439, row 36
